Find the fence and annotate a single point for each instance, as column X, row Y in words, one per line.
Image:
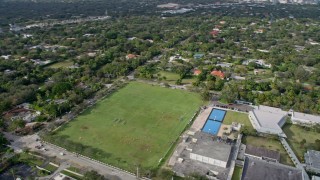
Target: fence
column 88, row 158
column 189, row 123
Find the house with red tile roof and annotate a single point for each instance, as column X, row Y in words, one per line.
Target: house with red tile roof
column 197, row 72
column 214, row 33
column 219, row 74
column 131, row 56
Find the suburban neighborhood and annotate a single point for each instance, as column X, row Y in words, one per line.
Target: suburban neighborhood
column 195, row 90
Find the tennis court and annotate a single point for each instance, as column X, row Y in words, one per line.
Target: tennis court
column 211, row 127
column 217, row 115
column 214, row 121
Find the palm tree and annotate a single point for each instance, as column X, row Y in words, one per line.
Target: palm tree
column 13, row 171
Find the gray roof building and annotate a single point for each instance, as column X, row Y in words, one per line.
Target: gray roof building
column 268, row 120
column 312, row 160
column 302, row 118
column 315, row 178
column 255, row 169
column 262, row 153
column 210, row 150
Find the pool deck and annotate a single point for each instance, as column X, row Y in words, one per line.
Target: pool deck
column 201, row 120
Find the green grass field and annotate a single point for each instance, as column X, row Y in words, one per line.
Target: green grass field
column 241, row 118
column 271, row 144
column 237, row 173
column 296, row 134
column 62, row 64
column 136, row 125
column 173, row 77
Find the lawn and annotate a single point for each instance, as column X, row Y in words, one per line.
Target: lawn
column 62, row 64
column 51, row 168
column 173, row 77
column 295, row 134
column 241, row 118
column 134, row 126
column 237, row 173
column 271, row 144
column 30, row 159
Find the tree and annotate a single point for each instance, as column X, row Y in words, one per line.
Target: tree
column 229, row 93
column 205, row 95
column 317, row 144
column 2, row 124
column 301, row 73
column 219, row 85
column 61, row 87
column 164, row 174
column 3, row 141
column 179, row 81
column 303, row 142
column 18, row 123
column 90, row 175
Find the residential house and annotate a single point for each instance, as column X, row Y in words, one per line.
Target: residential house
column 196, row 72
column 6, row 57
column 21, row 112
column 259, row 71
column 198, row 56
column 219, row 74
column 214, row 32
column 131, row 56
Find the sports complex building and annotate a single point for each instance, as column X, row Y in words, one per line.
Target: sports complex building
column 268, row 120
column 256, row 169
column 208, row 147
column 209, row 151
column 302, row 118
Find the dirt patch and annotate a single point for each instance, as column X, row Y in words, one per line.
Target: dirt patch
column 84, row 127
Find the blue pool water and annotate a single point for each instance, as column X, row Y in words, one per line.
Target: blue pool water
column 217, row 115
column 211, row 127
column 214, row 121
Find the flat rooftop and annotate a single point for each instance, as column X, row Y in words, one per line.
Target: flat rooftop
column 262, row 152
column 312, row 158
column 271, row 109
column 208, row 146
column 307, row 117
column 269, row 117
column 263, row 170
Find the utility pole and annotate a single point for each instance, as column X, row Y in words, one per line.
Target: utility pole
column 137, row 172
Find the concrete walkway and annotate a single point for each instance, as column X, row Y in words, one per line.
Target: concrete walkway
column 62, row 166
column 201, row 119
column 294, row 158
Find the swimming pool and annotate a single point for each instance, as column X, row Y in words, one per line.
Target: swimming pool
column 214, row 121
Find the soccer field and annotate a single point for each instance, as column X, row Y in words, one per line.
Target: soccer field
column 134, row 126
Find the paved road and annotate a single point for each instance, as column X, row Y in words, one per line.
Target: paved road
column 19, row 143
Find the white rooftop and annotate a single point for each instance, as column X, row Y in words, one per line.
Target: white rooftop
column 307, row 117
column 268, row 120
column 269, row 117
column 271, row 110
